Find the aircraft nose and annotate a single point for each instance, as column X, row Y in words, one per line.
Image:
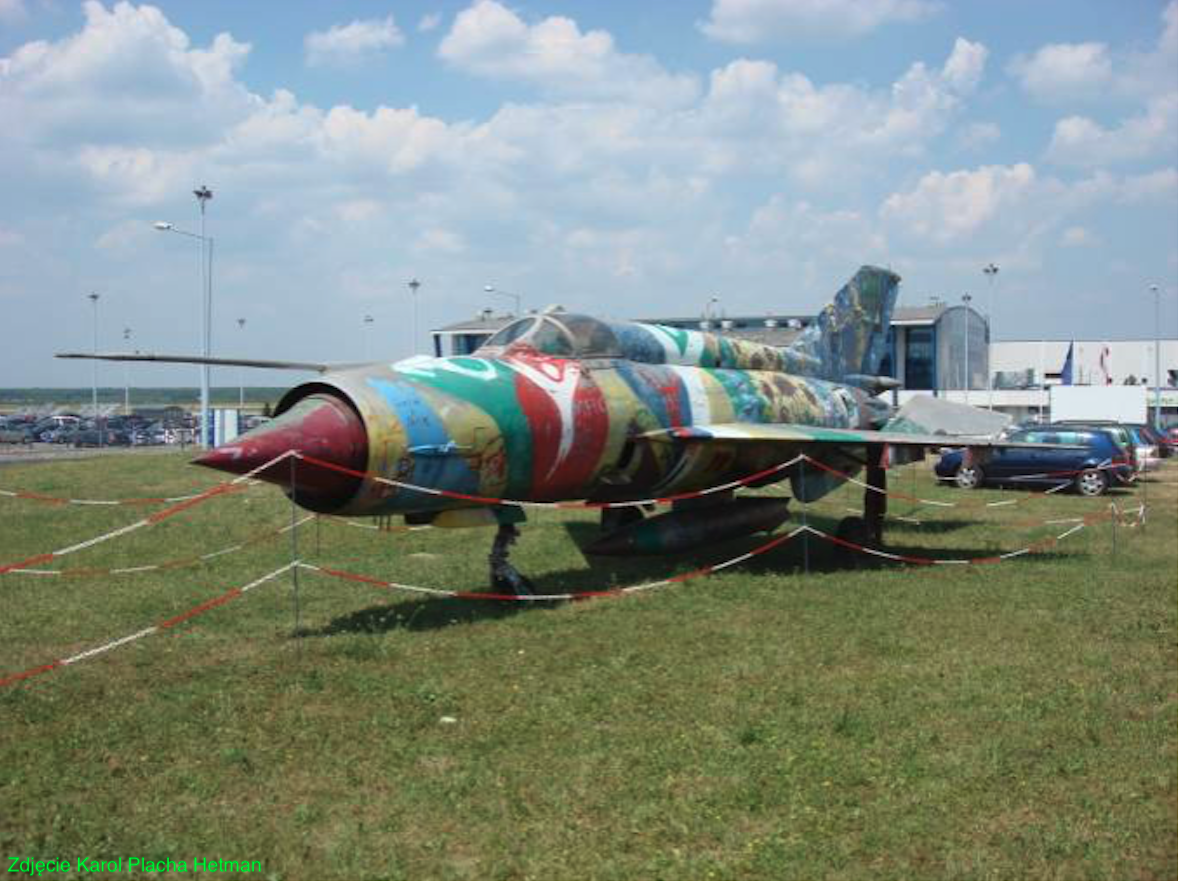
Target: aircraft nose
column 322, row 426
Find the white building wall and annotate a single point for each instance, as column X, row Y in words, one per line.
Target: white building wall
column 1126, row 358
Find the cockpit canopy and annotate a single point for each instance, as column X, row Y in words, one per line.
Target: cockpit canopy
column 563, row 335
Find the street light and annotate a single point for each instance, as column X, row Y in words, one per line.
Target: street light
column 127, row 374
column 94, row 370
column 414, row 284
column 1157, row 356
column 966, row 299
column 203, row 194
column 491, row 289
column 368, row 319
column 241, row 373
column 991, row 271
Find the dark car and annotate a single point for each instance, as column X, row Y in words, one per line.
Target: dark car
column 1101, row 463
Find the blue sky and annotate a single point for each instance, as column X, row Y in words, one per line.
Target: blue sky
column 625, row 159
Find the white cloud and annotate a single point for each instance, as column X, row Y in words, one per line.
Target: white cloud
column 429, row 22
column 440, row 240
column 1156, row 187
column 353, row 43
column 977, row 135
column 945, row 207
column 1081, row 141
column 1065, row 71
column 760, row 21
column 127, row 74
column 1076, row 237
column 12, row 10
column 755, row 115
column 490, row 40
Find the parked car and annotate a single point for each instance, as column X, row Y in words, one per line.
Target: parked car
column 1099, row 463
column 1148, row 455
column 1119, row 433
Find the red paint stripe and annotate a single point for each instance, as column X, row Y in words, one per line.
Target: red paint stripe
column 31, row 561
column 38, row 497
column 203, row 607
column 191, row 503
column 28, row 674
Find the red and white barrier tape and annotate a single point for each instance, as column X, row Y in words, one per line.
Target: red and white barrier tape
column 181, row 563
column 522, row 503
column 555, row 597
column 168, row 624
column 62, row 500
column 150, row 520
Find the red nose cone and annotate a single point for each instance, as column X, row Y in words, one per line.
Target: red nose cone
column 321, row 426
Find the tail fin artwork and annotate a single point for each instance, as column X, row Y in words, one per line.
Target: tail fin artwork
column 848, row 339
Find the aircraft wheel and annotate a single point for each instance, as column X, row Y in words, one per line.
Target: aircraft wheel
column 969, row 477
column 1091, row 482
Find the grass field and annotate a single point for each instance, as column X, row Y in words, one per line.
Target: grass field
column 1015, row 720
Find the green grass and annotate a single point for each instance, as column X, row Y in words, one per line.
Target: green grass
column 1012, row 720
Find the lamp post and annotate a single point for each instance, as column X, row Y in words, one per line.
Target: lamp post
column 991, row 272
column 127, row 374
column 206, row 277
column 491, row 289
column 966, row 299
column 94, row 369
column 413, row 285
column 241, row 373
column 1157, row 356
column 368, row 319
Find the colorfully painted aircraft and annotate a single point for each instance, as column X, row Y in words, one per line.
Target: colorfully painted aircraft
column 561, row 406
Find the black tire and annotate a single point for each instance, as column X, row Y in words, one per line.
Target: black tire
column 969, row 477
column 1091, row 482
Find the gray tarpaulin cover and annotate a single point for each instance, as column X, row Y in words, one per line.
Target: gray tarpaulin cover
column 928, row 415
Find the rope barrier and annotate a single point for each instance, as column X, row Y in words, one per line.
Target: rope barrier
column 159, row 627
column 150, row 520
column 179, row 563
column 29, row 495
column 571, row 505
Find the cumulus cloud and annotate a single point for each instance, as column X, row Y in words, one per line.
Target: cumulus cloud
column 754, row 113
column 12, row 10
column 350, row 44
column 944, row 207
column 761, row 21
column 977, row 135
column 429, row 22
column 128, row 74
column 1064, row 71
column 1076, row 237
column 490, row 40
column 1081, row 141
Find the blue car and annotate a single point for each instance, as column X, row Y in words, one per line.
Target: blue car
column 1100, row 464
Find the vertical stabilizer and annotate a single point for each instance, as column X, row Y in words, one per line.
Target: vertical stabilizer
column 850, row 336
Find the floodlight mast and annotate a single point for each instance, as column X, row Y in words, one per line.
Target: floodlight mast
column 491, row 289
column 203, row 194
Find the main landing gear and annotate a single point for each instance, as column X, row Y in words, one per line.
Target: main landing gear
column 867, row 531
column 505, row 578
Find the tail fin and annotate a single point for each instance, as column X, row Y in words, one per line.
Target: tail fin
column 849, row 337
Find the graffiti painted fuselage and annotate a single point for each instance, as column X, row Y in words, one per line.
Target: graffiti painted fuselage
column 527, row 425
column 562, row 406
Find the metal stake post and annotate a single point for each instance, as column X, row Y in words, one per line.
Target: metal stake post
column 294, row 547
column 805, row 520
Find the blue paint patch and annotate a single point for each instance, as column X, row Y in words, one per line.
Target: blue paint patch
column 639, row 344
column 436, row 463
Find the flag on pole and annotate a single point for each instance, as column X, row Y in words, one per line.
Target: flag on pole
column 1065, row 376
column 1105, row 361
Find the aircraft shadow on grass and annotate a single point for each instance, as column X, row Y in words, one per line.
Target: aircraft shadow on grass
column 793, row 559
